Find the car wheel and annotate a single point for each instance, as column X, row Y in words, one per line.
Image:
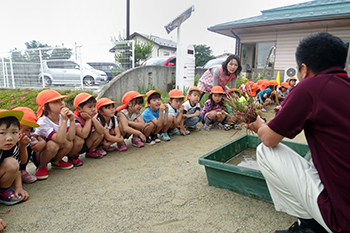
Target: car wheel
column 88, row 81
column 47, row 81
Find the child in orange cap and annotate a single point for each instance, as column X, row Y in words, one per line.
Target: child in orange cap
column 155, row 116
column 106, row 115
column 214, row 109
column 291, row 82
column 175, row 115
column 282, row 92
column 36, row 144
column 130, row 119
column 192, row 109
column 56, row 128
column 265, row 96
column 9, row 167
column 88, row 130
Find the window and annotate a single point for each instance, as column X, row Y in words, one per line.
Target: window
column 166, row 53
column 265, row 54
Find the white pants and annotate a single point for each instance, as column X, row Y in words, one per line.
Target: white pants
column 293, row 182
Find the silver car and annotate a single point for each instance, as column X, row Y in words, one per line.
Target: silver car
column 68, row 72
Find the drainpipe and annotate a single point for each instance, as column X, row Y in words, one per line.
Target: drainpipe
column 238, row 43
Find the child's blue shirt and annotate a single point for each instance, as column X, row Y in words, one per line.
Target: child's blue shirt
column 148, row 115
column 172, row 111
column 262, row 93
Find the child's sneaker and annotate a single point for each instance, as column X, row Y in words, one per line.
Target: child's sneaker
column 227, row 127
column 154, row 137
column 206, row 127
column 187, row 131
column 137, row 142
column 109, row 148
column 75, row 161
column 42, row 173
column 164, row 137
column 122, row 146
column 150, row 141
column 100, row 151
column 61, row 164
column 8, row 197
column 93, row 155
column 194, row 128
column 263, row 110
column 174, row 132
column 27, row 178
column 220, row 126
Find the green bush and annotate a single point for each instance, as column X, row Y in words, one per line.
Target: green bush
column 12, row 98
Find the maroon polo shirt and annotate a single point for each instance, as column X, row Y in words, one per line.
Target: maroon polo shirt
column 320, row 106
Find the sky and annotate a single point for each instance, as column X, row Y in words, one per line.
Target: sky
column 93, row 23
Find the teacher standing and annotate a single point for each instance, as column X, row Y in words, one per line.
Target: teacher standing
column 221, row 75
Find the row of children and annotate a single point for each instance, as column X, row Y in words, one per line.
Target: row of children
column 96, row 125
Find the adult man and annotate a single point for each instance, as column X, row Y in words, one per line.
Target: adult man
column 318, row 194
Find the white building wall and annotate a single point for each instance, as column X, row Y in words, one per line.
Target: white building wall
column 287, row 42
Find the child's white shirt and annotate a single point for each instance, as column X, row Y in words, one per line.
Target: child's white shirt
column 109, row 125
column 47, row 127
column 189, row 109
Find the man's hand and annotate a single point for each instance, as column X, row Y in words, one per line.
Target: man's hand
column 254, row 126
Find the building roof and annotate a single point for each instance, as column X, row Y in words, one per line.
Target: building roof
column 318, row 12
column 157, row 40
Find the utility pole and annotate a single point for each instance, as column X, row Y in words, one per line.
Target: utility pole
column 128, row 65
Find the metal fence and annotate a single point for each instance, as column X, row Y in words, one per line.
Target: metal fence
column 35, row 68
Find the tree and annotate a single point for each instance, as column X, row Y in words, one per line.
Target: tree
column 61, row 53
column 203, row 53
column 141, row 50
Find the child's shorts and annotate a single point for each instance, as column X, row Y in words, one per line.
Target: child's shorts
column 85, row 148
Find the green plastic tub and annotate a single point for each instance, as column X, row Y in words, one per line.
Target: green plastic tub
column 245, row 181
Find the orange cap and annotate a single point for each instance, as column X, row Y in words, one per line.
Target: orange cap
column 104, row 101
column 252, row 89
column 175, row 94
column 261, row 81
column 291, row 78
column 149, row 93
column 285, row 84
column 29, row 118
column 47, row 96
column 217, row 89
column 273, row 83
column 127, row 97
column 8, row 113
column 264, row 84
column 234, row 89
column 81, row 98
column 192, row 89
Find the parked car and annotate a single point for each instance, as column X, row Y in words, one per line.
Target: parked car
column 213, row 62
column 68, row 72
column 160, row 61
column 106, row 67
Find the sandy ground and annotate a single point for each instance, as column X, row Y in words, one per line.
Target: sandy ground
column 159, row 188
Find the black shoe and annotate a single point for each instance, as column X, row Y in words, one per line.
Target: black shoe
column 150, row 141
column 295, row 228
column 154, row 137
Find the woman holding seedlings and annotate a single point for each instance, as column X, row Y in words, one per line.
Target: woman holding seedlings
column 317, row 193
column 221, row 75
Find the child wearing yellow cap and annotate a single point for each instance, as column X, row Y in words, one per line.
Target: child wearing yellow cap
column 192, row 109
column 106, row 115
column 88, row 130
column 130, row 119
column 56, row 128
column 9, row 167
column 35, row 144
column 155, row 116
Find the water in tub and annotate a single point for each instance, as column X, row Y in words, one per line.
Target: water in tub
column 246, row 158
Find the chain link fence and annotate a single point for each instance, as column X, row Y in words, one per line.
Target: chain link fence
column 56, row 67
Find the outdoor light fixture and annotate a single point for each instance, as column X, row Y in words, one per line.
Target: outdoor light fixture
column 179, row 19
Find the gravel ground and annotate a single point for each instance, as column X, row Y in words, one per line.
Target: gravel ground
column 159, row 188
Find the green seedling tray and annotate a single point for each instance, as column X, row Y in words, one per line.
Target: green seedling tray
column 242, row 180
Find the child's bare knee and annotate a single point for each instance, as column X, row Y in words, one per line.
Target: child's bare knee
column 9, row 165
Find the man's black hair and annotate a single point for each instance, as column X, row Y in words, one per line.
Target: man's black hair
column 321, row 51
column 9, row 121
column 90, row 100
column 155, row 95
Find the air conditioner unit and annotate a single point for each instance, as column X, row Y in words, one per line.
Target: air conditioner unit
column 290, row 72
